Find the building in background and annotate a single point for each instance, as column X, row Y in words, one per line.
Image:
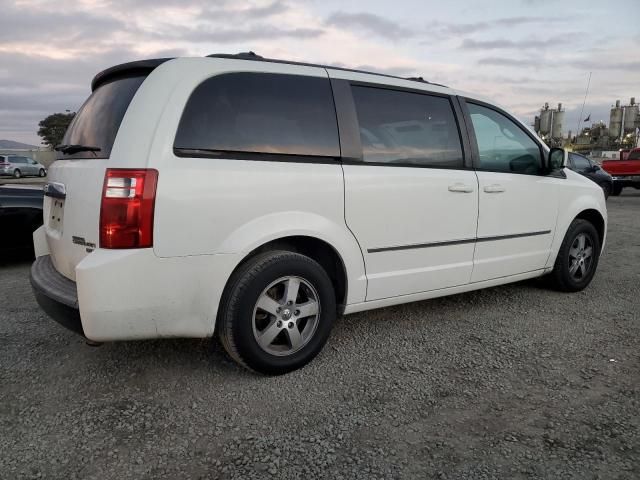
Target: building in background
column 549, row 124
column 600, row 140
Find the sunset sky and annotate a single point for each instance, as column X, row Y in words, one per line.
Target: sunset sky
column 520, row 52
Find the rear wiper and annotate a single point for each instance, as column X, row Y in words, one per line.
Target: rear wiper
column 75, row 148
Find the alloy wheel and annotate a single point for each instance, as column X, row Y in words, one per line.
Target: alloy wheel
column 581, row 256
column 286, row 316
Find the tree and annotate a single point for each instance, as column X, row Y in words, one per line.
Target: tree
column 53, row 128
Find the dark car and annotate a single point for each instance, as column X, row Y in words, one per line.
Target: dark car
column 590, row 169
column 20, row 215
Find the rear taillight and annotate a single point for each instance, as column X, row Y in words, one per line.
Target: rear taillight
column 126, row 213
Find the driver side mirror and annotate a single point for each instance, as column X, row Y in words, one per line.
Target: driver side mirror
column 558, row 159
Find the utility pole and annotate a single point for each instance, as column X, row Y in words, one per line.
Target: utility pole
column 586, row 92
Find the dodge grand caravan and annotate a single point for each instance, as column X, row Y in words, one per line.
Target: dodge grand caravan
column 258, row 199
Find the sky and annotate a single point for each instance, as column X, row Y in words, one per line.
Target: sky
column 520, row 53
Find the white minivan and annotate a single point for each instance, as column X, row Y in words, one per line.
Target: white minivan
column 259, row 199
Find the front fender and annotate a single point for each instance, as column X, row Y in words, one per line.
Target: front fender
column 274, row 226
column 571, row 206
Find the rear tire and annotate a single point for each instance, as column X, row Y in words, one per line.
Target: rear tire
column 259, row 328
column 606, row 189
column 42, row 173
column 17, row 173
column 577, row 258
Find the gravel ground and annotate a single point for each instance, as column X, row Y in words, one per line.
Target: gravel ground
column 512, row 382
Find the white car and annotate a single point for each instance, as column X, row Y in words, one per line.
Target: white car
column 259, row 199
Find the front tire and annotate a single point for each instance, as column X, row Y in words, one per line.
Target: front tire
column 577, row 258
column 42, row 173
column 617, row 190
column 277, row 312
column 606, row 189
column 17, row 173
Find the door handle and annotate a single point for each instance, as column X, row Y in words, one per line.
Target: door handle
column 460, row 188
column 495, row 188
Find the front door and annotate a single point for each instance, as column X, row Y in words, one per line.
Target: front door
column 410, row 200
column 518, row 204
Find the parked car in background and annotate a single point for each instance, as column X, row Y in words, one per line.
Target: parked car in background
column 590, row 169
column 17, row 166
column 259, row 199
column 625, row 171
column 20, row 216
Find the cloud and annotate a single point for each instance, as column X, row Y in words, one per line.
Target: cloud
column 369, row 23
column 212, row 34
column 511, row 62
column 585, row 64
column 230, row 24
column 536, row 2
column 31, row 24
column 438, row 30
column 246, row 13
column 504, row 43
column 595, row 64
column 522, row 20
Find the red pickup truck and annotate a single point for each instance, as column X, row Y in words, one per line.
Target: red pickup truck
column 625, row 171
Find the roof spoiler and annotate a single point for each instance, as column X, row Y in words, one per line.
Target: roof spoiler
column 129, row 68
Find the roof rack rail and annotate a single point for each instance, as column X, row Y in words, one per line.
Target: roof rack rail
column 251, row 55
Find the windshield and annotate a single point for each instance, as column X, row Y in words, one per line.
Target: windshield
column 98, row 120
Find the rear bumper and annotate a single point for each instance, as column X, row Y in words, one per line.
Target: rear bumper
column 56, row 294
column 133, row 294
column 626, row 180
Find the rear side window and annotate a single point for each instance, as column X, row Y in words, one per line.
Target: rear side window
column 407, row 128
column 260, row 113
column 635, row 155
column 98, row 120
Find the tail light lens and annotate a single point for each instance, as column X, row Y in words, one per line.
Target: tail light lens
column 126, row 213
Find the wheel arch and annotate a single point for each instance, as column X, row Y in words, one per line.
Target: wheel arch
column 315, row 235
column 315, row 248
column 586, row 208
column 594, row 217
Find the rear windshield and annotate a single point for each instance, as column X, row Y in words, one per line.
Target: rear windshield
column 98, row 120
column 635, row 155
